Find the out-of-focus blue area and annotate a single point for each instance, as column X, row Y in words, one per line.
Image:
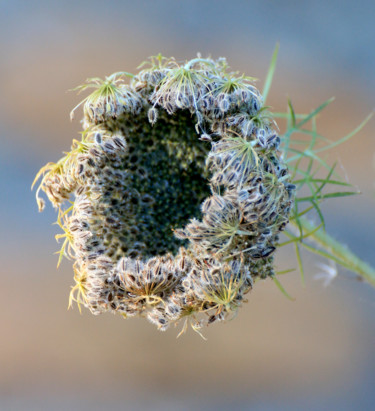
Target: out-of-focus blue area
column 315, row 353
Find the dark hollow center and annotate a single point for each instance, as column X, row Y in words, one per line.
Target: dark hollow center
column 168, row 179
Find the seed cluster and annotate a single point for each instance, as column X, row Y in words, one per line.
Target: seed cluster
column 178, row 193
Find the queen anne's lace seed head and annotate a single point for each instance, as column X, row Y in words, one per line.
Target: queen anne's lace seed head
column 177, row 190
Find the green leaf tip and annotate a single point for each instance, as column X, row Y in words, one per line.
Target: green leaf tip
column 270, row 74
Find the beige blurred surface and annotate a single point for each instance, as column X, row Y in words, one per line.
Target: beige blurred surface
column 314, row 353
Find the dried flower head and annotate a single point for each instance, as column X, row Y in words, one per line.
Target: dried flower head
column 177, row 193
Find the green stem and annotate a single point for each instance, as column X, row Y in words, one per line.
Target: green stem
column 339, row 251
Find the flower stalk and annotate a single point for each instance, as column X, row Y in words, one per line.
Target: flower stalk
column 334, row 250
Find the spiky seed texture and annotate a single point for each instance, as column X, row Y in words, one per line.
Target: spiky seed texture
column 176, row 193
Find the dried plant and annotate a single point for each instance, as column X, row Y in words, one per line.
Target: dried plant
column 181, row 190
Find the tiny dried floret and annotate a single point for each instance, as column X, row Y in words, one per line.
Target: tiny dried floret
column 110, row 99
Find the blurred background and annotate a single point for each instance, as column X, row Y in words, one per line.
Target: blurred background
column 316, row 353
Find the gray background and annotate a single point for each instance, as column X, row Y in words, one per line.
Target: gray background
column 315, row 353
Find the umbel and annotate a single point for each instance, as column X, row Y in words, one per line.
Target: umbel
column 172, row 202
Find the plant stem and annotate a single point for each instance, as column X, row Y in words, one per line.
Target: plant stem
column 340, row 252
